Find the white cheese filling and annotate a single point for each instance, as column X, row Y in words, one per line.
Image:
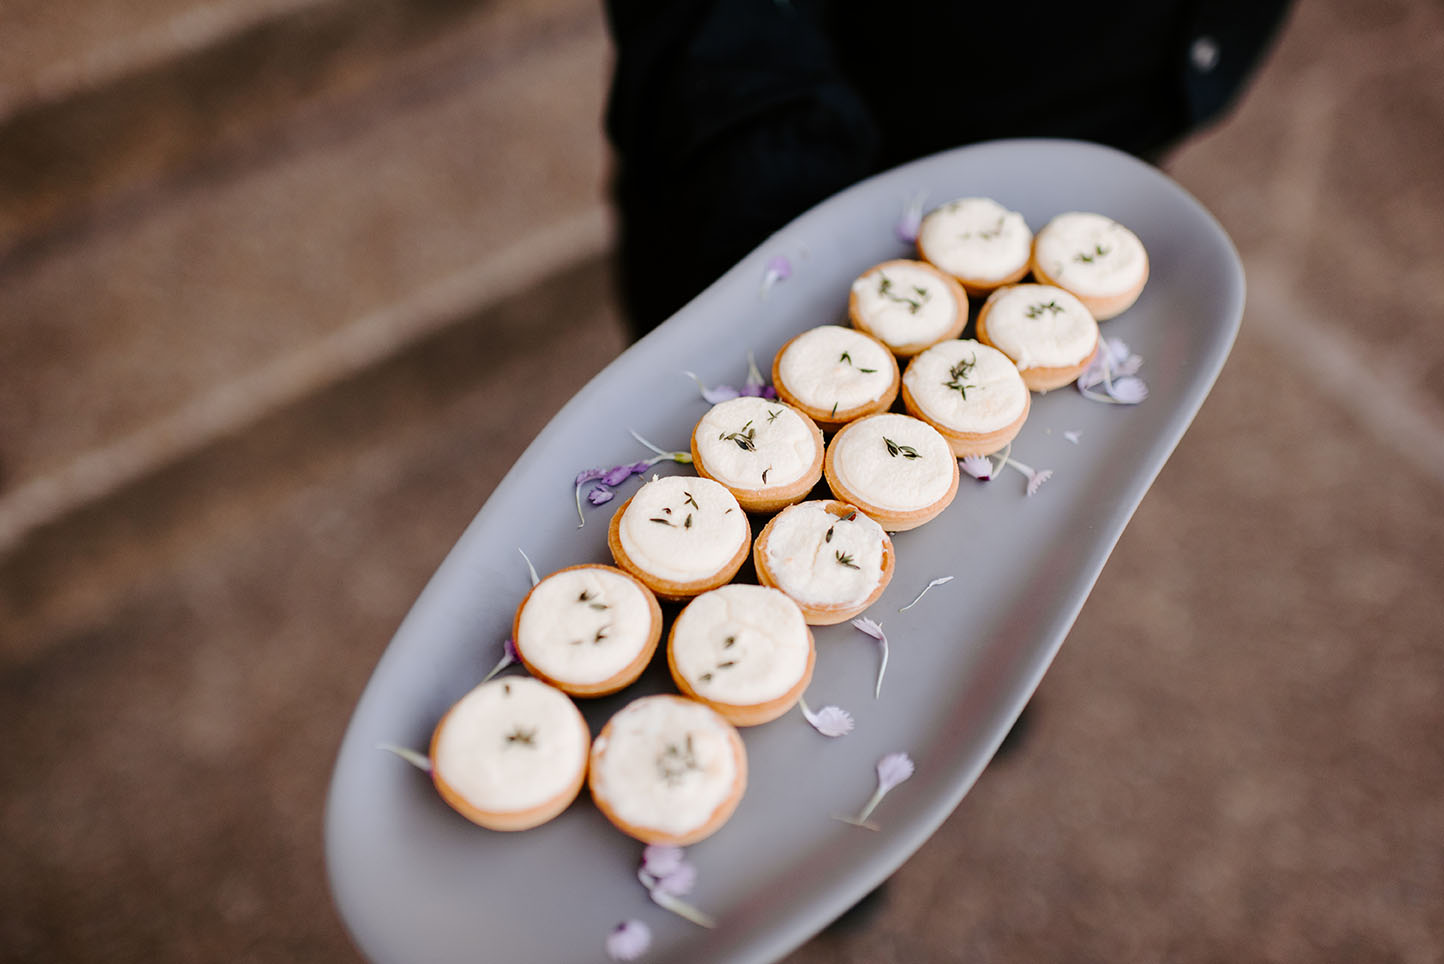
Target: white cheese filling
column 683, row 528
column 584, row 625
column 835, row 369
column 894, row 462
column 511, row 744
column 977, row 239
column 1090, row 254
column 905, row 303
column 1040, row 326
column 753, row 443
column 741, row 644
column 990, row 393
column 821, row 559
column 665, row 763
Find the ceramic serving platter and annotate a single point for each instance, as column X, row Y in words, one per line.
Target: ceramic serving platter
column 414, row 882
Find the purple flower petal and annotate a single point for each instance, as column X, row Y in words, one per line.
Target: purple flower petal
column 678, row 882
column 832, row 721
column 508, row 651
column 600, row 495
column 892, row 770
column 978, row 466
column 869, row 626
column 780, row 267
column 659, row 860
column 589, row 475
column 911, row 222
column 628, row 941
column 1130, row 390
column 616, row 476
column 1036, row 480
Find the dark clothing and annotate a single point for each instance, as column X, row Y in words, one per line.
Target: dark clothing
column 731, row 117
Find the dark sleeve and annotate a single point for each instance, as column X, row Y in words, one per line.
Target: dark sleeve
column 728, row 119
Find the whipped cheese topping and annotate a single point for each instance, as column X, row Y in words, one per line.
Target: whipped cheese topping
column 683, row 528
column 893, row 461
column 1040, row 326
column 741, row 644
column 903, row 302
column 977, row 239
column 511, row 744
column 991, row 394
column 752, row 443
column 1091, row 254
column 584, row 625
column 835, row 369
column 821, row 559
column 665, row 763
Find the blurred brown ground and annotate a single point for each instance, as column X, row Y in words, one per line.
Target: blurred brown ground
column 257, row 373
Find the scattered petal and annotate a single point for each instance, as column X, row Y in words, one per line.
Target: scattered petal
column 978, row 466
column 508, row 657
column 659, row 860
column 679, row 882
column 1038, row 478
column 718, row 393
column 1073, row 435
column 418, row 760
column 871, row 628
column 891, row 770
column 912, row 219
column 936, row 582
column 600, row 495
column 829, row 721
column 778, row 269
column 628, row 941
column 1130, row 390
column 530, row 569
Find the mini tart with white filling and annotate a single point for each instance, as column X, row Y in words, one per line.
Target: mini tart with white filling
column 835, row 374
column 1093, row 257
column 680, row 535
column 828, row 556
column 511, row 754
column 1048, row 333
column 743, row 650
column 907, row 305
column 971, row 393
column 896, row 468
column 668, row 770
column 977, row 241
column 587, row 630
column 767, row 453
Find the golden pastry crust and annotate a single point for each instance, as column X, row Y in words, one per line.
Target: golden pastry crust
column 824, row 614
column 769, row 498
column 892, row 520
column 651, row 835
column 964, row 444
column 908, row 349
column 1038, row 378
column 619, row 680
column 744, row 714
column 668, row 589
column 834, row 419
column 509, row 820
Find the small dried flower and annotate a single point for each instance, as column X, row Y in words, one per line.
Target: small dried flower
column 872, row 628
column 941, row 580
column 779, row 268
column 891, row 770
column 1114, row 367
column 607, row 479
column 628, row 941
column 1073, row 435
column 829, row 721
column 600, row 495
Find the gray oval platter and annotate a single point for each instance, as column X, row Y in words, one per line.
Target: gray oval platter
column 414, row 882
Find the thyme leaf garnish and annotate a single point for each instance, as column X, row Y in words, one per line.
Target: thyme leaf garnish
column 665, row 522
column 1088, row 257
column 674, row 762
column 845, row 559
column 1036, row 311
column 894, row 449
column 689, row 500
column 764, row 474
column 522, row 737
column 845, row 357
column 957, row 373
column 885, row 289
column 772, row 416
column 744, row 437
column 687, row 524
